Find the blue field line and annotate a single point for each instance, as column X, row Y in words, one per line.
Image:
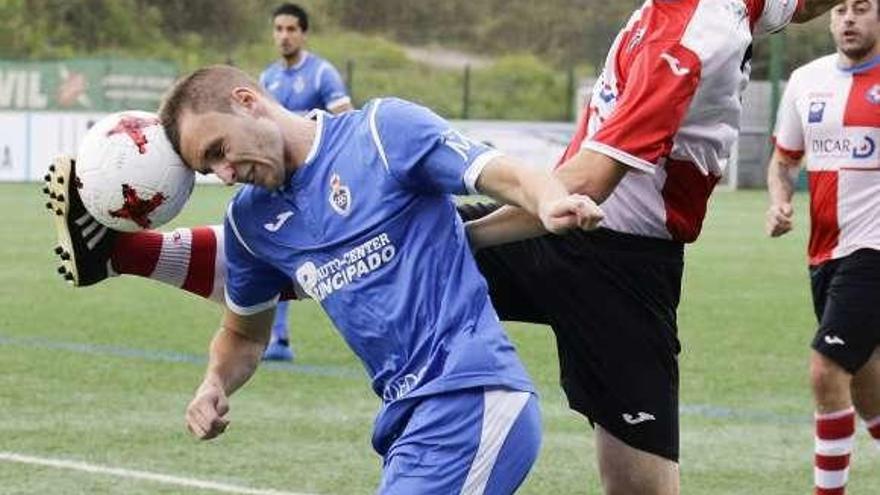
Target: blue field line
column 172, row 356
column 701, row 410
column 749, row 415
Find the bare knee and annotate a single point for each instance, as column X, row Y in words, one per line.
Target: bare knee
column 830, row 383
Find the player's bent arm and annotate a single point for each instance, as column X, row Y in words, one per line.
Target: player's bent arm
column 587, row 173
column 506, row 224
column 513, row 183
column 812, row 9
column 539, row 193
column 234, row 354
column 592, row 174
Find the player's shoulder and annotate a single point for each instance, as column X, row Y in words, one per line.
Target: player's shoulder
column 314, row 59
column 318, row 60
column 398, row 113
column 317, row 63
column 814, row 69
column 820, row 64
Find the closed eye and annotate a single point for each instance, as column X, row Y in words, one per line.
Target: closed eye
column 213, row 153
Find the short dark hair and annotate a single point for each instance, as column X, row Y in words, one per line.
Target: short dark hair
column 294, row 10
column 205, row 90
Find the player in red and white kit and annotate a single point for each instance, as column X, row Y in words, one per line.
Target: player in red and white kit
column 655, row 140
column 829, row 120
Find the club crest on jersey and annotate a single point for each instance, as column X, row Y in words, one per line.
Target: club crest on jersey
column 299, row 84
column 817, row 112
column 873, row 94
column 340, row 196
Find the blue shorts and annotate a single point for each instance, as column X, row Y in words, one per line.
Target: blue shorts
column 474, row 441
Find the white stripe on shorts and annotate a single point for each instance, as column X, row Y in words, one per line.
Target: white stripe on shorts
column 501, row 408
column 218, row 295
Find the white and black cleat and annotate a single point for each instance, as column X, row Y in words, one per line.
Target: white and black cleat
column 84, row 245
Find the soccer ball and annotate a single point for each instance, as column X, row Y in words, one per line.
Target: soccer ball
column 130, row 178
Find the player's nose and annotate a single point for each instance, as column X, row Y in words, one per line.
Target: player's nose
column 225, row 172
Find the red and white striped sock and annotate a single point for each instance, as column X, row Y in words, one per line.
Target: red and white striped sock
column 835, row 435
column 873, row 426
column 190, row 259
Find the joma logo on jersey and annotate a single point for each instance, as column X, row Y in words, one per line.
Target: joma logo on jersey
column 844, row 147
column 340, row 196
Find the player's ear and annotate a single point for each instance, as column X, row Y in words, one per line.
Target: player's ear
column 246, row 98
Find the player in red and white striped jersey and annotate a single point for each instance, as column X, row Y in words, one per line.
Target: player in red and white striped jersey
column 652, row 146
column 654, row 141
column 829, row 120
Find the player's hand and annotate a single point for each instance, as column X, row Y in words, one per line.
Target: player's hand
column 575, row 211
column 779, row 219
column 205, row 414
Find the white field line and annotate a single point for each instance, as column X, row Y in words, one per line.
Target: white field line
column 139, row 475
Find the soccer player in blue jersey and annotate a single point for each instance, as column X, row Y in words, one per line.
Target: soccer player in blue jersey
column 356, row 211
column 300, row 81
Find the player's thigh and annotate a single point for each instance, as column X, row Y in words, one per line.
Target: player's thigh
column 625, row 469
column 477, row 441
column 614, row 315
column 849, row 329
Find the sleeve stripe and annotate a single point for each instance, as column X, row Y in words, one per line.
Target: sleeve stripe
column 319, row 73
column 793, row 154
column 235, row 230
column 319, row 132
column 621, row 156
column 375, row 131
column 250, row 310
column 476, row 168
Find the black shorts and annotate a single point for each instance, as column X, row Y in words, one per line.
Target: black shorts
column 846, row 298
column 611, row 300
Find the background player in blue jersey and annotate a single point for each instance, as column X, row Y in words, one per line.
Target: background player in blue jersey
column 301, row 81
column 356, row 211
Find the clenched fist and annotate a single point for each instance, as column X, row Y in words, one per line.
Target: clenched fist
column 575, row 211
column 779, row 219
column 205, row 414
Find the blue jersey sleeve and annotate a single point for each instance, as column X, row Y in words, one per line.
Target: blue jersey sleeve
column 252, row 285
column 423, row 151
column 331, row 87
